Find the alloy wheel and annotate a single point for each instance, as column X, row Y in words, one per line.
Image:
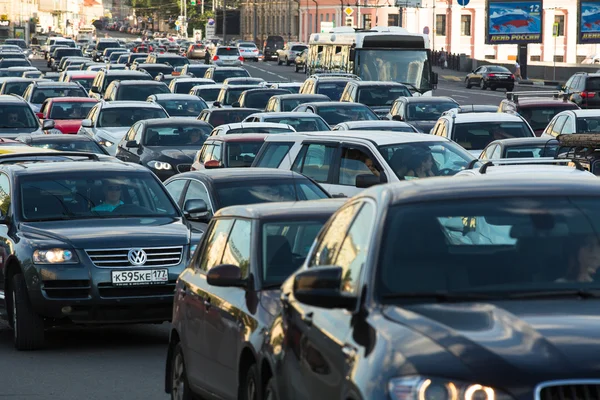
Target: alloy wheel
column 178, row 378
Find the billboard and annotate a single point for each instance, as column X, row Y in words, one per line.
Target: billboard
column 513, row 22
column 588, row 14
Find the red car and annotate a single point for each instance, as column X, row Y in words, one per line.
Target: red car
column 85, row 78
column 66, row 112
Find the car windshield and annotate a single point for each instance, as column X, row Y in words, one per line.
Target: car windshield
column 477, row 135
column 232, row 95
column 220, row 75
column 333, row 90
column 228, row 51
column 334, row 115
column 290, row 104
column 32, row 74
column 185, row 87
column 592, row 84
column 127, row 116
column 70, row 110
column 17, row 116
column 15, row 88
column 39, row 95
column 425, row 159
column 197, row 70
column 7, row 73
column 207, row 94
column 259, row 98
column 285, row 245
column 253, row 191
column 83, row 195
column 540, row 117
column 248, row 45
column 183, row 108
column 140, row 92
column 292, row 89
column 529, row 244
column 259, row 130
column 301, row 124
column 14, row 62
column 529, row 151
column 423, row 111
column 85, row 146
column 242, row 154
column 85, row 82
column 588, row 124
column 380, row 95
column 177, row 136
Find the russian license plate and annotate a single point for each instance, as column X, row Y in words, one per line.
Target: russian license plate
column 143, row 277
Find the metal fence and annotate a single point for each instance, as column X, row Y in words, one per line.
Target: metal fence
column 452, row 59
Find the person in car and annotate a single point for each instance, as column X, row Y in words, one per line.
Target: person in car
column 369, row 163
column 76, row 112
column 584, row 263
column 112, row 197
column 196, row 138
column 110, row 119
column 12, row 118
column 420, row 165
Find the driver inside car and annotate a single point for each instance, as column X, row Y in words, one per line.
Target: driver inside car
column 112, row 196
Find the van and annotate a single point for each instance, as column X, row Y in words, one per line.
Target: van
column 272, row 44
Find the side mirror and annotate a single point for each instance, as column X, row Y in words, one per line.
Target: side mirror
column 226, row 275
column 39, row 115
column 236, row 104
column 48, row 124
column 132, row 143
column 321, row 287
column 217, row 104
column 397, row 118
column 95, row 89
column 196, row 210
column 351, row 55
column 364, row 181
column 213, row 164
column 86, row 123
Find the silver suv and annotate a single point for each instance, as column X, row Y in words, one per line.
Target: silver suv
column 227, row 56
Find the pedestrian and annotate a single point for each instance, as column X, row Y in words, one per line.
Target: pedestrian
column 443, row 59
column 517, row 70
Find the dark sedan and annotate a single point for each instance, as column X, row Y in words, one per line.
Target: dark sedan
column 179, row 105
column 166, row 146
column 491, row 76
column 335, row 112
column 246, row 255
column 79, row 143
column 394, row 301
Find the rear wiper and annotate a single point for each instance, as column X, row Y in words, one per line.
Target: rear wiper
column 439, row 296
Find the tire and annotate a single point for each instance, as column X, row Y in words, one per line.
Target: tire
column 467, row 83
column 180, row 388
column 28, row 326
column 270, row 393
column 249, row 391
column 295, row 67
column 287, row 62
column 510, row 88
column 482, row 85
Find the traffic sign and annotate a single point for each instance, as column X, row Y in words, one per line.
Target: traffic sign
column 178, row 22
column 463, row 3
column 349, row 11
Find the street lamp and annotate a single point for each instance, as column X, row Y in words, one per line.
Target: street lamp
column 316, row 16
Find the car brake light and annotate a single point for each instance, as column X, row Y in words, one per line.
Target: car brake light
column 229, row 48
column 512, row 76
column 588, row 95
column 215, row 58
column 491, row 75
column 241, row 58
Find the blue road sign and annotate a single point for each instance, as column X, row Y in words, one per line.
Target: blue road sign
column 462, row 3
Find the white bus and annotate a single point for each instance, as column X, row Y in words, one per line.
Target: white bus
column 378, row 54
column 86, row 33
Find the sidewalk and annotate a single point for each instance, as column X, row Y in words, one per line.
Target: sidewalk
column 457, row 76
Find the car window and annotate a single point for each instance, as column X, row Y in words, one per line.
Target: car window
column 206, row 152
column 197, row 191
column 273, row 154
column 475, row 136
column 558, row 124
column 127, row 116
column 423, row 111
column 381, row 96
column 539, row 117
column 242, row 154
column 175, row 188
column 5, row 193
column 314, row 161
column 70, row 110
column 215, row 244
column 237, row 250
column 496, row 153
column 176, row 135
column 589, row 124
column 356, row 162
column 228, row 51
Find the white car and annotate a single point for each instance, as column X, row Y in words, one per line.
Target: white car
column 252, row 127
column 289, row 52
column 300, row 121
column 248, row 51
column 390, row 126
column 227, row 56
column 208, row 93
column 526, row 166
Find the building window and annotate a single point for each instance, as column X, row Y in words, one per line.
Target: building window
column 393, row 19
column 327, row 17
column 440, row 25
column 367, row 21
column 560, row 20
column 465, row 25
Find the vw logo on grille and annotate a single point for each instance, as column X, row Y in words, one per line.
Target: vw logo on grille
column 137, row 257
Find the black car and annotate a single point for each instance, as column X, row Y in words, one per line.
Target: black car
column 78, row 143
column 445, row 289
column 267, row 242
column 257, row 98
column 219, row 74
column 153, row 69
column 520, row 148
column 134, row 90
column 224, row 187
column 166, row 146
column 271, row 45
column 337, row 112
column 582, row 89
column 422, row 112
column 135, row 56
column 102, row 45
column 179, row 105
column 61, row 52
column 87, row 243
column 220, row 116
column 491, row 76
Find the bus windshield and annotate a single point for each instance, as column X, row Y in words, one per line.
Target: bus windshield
column 405, row 66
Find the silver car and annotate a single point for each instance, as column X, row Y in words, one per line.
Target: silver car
column 248, row 51
column 226, row 56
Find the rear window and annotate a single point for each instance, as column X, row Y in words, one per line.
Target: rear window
column 183, row 108
column 110, row 78
column 301, row 124
column 258, row 99
column 174, row 61
column 140, row 92
column 184, row 87
column 477, row 135
column 299, row 48
column 540, row 117
column 333, row 90
column 221, row 75
column 428, row 111
column 242, row 154
column 248, row 45
column 381, row 95
column 106, row 45
column 529, row 151
column 592, row 84
column 259, row 130
column 498, row 69
column 337, row 115
column 273, row 154
column 208, row 94
column 15, row 88
column 228, row 117
column 228, row 51
column 41, row 94
column 233, row 95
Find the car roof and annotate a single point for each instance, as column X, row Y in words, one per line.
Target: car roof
column 485, row 117
column 586, row 113
column 146, row 65
column 55, row 138
column 429, row 99
column 443, row 189
column 374, row 123
column 8, row 98
column 234, row 86
column 333, row 104
column 53, row 84
column 283, row 210
column 124, row 72
column 254, row 125
column 239, row 137
column 286, row 114
column 174, row 96
column 227, row 68
column 527, row 170
column 301, row 96
column 378, row 138
column 523, row 141
column 236, row 174
column 542, row 101
column 130, row 103
column 134, row 82
column 52, row 168
column 188, row 80
column 72, row 100
column 82, row 74
column 217, row 110
column 376, row 83
column 19, row 79
column 176, row 121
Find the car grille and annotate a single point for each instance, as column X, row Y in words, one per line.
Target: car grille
column 156, row 257
column 184, row 167
column 107, row 290
column 569, row 390
column 67, row 289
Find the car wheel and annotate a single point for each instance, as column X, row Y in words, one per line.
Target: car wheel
column 510, row 88
column 251, row 384
column 180, row 388
column 287, row 62
column 295, row 67
column 28, row 326
column 482, row 85
column 467, row 83
column 270, row 393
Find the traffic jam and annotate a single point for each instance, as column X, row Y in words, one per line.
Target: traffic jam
column 352, row 236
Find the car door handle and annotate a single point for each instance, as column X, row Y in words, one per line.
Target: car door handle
column 339, row 195
column 308, row 318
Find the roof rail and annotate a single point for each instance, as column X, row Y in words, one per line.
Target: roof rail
column 529, row 161
column 19, row 157
column 485, row 166
column 334, row 75
column 557, row 94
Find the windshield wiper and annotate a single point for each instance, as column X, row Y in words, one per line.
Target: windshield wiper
column 439, row 296
column 582, row 293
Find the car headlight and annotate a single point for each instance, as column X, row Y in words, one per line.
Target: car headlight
column 159, row 165
column 105, row 143
column 427, row 388
column 54, row 256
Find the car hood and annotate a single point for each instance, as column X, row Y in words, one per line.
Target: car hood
column 67, row 125
column 500, row 342
column 109, row 233
column 113, row 134
column 179, row 155
column 422, row 126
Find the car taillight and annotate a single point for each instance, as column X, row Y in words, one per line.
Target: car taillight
column 512, row 76
column 215, row 58
column 241, row 58
column 491, row 75
column 588, row 95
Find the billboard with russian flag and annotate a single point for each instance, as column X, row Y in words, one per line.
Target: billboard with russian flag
column 514, row 21
column 588, row 15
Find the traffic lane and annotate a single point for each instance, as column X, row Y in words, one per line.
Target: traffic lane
column 117, row 362
column 270, row 71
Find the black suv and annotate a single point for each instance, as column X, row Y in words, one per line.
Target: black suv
column 86, row 242
column 105, row 77
column 134, row 90
column 102, row 45
column 584, row 89
column 272, row 44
